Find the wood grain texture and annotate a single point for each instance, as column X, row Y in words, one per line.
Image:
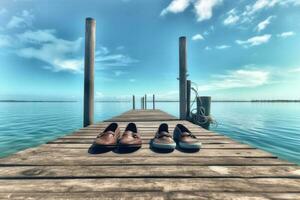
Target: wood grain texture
column 152, row 184
column 223, row 169
column 149, row 171
column 154, row 195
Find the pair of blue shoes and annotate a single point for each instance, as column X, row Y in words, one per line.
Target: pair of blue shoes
column 182, row 137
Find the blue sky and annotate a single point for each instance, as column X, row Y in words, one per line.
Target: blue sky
column 242, row 49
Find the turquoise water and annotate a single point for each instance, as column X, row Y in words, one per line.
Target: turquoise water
column 274, row 127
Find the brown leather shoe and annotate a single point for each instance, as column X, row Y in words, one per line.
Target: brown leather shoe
column 163, row 139
column 185, row 139
column 130, row 137
column 109, row 137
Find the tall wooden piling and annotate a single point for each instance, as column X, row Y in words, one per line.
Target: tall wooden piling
column 203, row 110
column 90, row 38
column 182, row 77
column 188, row 98
column 145, row 107
column 153, row 99
column 142, row 103
column 133, row 102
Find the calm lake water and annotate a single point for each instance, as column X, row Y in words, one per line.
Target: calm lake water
column 274, row 127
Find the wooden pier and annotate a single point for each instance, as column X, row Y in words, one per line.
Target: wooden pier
column 222, row 169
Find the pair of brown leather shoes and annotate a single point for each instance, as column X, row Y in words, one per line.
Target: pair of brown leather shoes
column 181, row 135
column 111, row 137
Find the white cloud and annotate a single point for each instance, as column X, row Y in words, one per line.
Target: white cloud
column 248, row 15
column 295, row 70
column 261, row 4
column 15, row 22
column 38, row 36
column 204, row 8
column 241, row 78
column 59, row 54
column 232, row 18
column 176, row 6
column 255, row 41
column 207, row 48
column 5, row 41
column 98, row 95
column 132, row 80
column 3, row 11
column 265, row 4
column 23, row 20
column 118, row 72
column 206, row 33
column 114, row 60
column 223, row 47
column 286, row 34
column 101, row 51
column 262, row 25
column 197, row 37
column 287, row 2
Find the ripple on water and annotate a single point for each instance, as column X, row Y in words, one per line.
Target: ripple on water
column 270, row 128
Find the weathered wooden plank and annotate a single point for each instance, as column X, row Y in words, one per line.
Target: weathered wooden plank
column 145, row 153
column 145, row 141
column 142, row 125
column 147, row 146
column 143, row 115
column 144, row 131
column 148, row 123
column 233, row 196
column 151, row 196
column 149, row 171
column 153, row 184
column 148, row 136
column 86, row 195
column 99, row 160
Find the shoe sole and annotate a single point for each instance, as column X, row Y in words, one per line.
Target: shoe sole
column 105, row 146
column 163, row 146
column 129, row 145
column 189, row 146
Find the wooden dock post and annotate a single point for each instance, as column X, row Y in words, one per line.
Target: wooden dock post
column 133, row 102
column 188, row 99
column 90, row 38
column 142, row 103
column 203, row 110
column 145, row 102
column 182, row 77
column 153, row 101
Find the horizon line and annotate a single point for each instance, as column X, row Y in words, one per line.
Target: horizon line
column 70, row 101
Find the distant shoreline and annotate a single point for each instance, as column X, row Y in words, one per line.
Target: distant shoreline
column 171, row 101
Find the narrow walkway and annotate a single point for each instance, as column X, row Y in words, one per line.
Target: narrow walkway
column 222, row 169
